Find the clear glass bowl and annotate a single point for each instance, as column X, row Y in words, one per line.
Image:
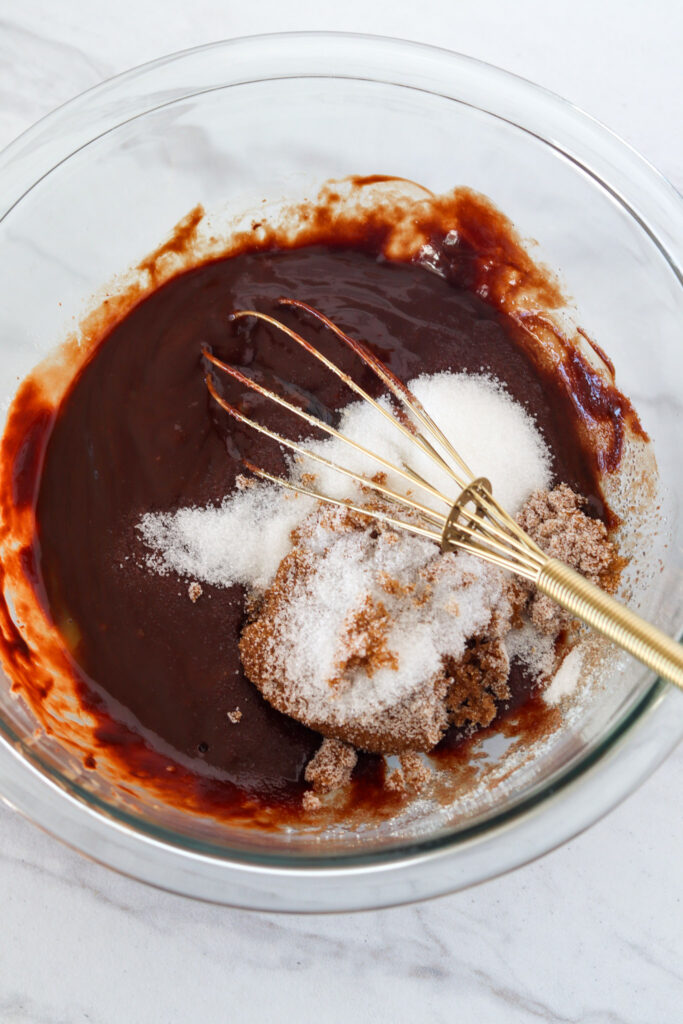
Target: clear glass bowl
column 97, row 184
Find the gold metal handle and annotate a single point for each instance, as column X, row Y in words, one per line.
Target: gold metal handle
column 591, row 604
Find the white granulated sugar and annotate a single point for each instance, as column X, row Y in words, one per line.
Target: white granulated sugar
column 244, row 539
column 534, row 649
column 566, row 679
column 226, row 544
column 494, row 435
column 449, row 599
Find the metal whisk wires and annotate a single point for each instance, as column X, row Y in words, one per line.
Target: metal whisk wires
column 468, row 522
column 474, row 521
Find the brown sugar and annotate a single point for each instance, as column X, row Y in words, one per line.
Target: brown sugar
column 194, row 591
column 364, row 641
column 331, row 767
column 479, row 683
column 395, row 782
column 556, row 521
column 298, row 628
column 311, row 802
column 415, row 772
column 469, row 683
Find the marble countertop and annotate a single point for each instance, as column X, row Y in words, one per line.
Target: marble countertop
column 592, row 932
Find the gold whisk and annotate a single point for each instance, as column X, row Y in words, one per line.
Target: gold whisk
column 474, row 522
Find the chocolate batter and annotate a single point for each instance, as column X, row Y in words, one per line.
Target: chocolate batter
column 137, row 432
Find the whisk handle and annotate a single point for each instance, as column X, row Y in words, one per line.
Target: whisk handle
column 596, row 608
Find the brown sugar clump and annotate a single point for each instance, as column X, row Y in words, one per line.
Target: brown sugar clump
column 364, row 640
column 331, row 767
column 347, row 666
column 311, row 802
column 396, row 783
column 235, row 716
column 479, row 683
column 339, row 639
column 194, row 591
column 556, row 521
column 415, row 772
column 393, row 587
column 415, row 723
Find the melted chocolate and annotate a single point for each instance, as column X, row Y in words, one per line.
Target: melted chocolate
column 138, row 432
column 120, row 423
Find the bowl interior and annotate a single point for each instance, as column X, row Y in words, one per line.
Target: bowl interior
column 237, row 144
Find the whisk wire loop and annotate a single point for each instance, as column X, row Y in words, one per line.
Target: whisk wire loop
column 316, row 421
column 367, row 357
column 352, row 506
column 395, row 385
column 475, row 522
column 485, row 529
column 300, row 449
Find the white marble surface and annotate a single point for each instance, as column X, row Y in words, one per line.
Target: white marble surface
column 591, row 933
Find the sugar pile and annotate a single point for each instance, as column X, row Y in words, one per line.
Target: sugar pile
column 567, row 678
column 359, row 623
column 241, row 541
column 245, row 538
column 369, row 634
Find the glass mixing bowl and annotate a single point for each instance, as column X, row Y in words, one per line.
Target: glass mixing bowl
column 97, row 184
